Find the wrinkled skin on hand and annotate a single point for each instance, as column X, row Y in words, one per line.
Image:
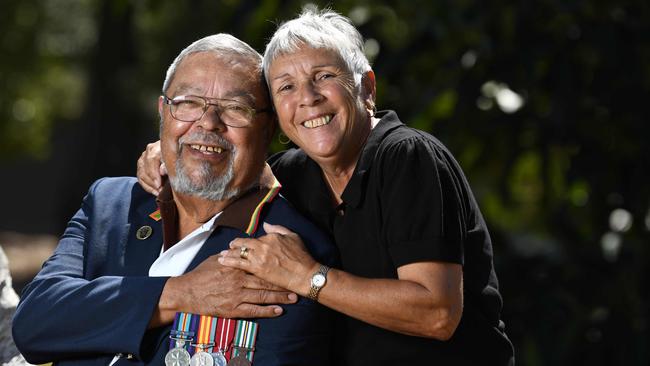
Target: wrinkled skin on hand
column 217, row 290
column 280, row 257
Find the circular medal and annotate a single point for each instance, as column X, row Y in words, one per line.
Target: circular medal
column 240, row 360
column 219, row 359
column 202, row 359
column 177, row 357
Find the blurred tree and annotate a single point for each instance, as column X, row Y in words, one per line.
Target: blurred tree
column 543, row 103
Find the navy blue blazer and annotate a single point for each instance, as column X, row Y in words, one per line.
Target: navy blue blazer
column 93, row 297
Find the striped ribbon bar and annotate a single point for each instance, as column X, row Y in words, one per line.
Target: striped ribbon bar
column 206, row 333
column 255, row 217
column 225, row 336
column 245, row 338
column 184, row 328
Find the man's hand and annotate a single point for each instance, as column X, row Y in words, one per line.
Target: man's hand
column 216, row 290
column 151, row 169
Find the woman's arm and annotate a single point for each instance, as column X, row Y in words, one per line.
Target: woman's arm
column 426, row 300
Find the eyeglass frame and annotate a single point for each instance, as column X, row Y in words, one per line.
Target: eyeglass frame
column 207, row 103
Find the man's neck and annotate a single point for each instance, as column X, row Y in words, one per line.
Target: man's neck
column 195, row 211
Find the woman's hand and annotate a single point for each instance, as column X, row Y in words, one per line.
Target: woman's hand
column 151, row 169
column 278, row 257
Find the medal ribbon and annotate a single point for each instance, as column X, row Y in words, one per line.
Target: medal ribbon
column 226, row 331
column 205, row 334
column 245, row 337
column 184, row 327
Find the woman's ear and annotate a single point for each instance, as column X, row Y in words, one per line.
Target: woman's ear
column 369, row 90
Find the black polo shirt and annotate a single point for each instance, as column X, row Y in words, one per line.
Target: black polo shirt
column 408, row 201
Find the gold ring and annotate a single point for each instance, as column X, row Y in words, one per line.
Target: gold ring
column 243, row 253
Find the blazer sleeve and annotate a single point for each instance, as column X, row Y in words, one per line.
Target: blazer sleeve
column 62, row 315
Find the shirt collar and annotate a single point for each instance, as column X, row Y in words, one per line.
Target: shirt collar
column 354, row 190
column 242, row 214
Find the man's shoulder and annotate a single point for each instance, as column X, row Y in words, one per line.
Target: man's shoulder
column 282, row 212
column 116, row 193
column 108, row 184
column 319, row 243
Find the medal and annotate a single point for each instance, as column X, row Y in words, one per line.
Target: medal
column 202, row 358
column 240, row 360
column 180, row 334
column 245, row 337
column 177, row 357
column 219, row 359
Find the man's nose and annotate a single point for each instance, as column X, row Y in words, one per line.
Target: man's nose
column 211, row 119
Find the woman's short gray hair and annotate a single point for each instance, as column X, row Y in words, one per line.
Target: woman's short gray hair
column 319, row 29
column 220, row 44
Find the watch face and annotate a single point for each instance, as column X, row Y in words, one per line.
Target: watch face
column 318, row 280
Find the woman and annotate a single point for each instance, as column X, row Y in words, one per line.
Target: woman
column 417, row 280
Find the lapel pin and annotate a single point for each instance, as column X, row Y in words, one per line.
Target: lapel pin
column 143, row 232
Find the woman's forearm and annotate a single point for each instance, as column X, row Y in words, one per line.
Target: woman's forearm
column 399, row 305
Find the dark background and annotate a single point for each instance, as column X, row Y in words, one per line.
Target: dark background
column 544, row 103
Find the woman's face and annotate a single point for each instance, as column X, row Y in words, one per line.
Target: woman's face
column 317, row 105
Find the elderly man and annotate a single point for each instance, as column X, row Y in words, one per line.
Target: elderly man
column 124, row 288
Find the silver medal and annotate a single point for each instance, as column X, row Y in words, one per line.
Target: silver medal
column 177, row 357
column 219, row 359
column 202, row 359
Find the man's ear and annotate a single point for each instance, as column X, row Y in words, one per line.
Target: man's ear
column 160, row 106
column 369, row 87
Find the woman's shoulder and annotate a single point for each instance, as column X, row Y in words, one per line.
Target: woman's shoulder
column 405, row 141
column 288, row 158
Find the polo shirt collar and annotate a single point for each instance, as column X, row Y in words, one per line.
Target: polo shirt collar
column 353, row 192
column 242, row 214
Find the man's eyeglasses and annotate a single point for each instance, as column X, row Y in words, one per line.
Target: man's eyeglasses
column 191, row 108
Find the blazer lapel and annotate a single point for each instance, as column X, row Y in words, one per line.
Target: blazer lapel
column 218, row 241
column 144, row 240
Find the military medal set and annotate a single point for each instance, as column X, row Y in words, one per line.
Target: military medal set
column 202, row 340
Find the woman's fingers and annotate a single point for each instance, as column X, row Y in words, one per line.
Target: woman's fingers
column 276, row 229
column 149, row 168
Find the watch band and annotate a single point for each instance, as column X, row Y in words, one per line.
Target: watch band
column 313, row 289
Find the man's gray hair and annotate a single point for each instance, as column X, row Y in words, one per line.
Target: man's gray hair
column 220, row 44
column 319, row 29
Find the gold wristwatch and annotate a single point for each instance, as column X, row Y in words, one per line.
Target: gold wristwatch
column 318, row 281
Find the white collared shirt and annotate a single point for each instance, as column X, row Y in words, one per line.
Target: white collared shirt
column 175, row 260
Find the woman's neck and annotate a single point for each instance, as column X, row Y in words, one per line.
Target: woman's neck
column 338, row 170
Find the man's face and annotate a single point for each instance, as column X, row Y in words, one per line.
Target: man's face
column 207, row 158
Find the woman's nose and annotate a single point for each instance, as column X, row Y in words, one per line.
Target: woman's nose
column 310, row 94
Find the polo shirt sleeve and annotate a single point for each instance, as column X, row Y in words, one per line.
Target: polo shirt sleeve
column 421, row 202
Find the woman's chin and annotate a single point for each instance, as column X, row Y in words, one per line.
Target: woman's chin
column 321, row 152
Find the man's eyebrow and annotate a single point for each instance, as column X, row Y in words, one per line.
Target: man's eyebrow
column 240, row 94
